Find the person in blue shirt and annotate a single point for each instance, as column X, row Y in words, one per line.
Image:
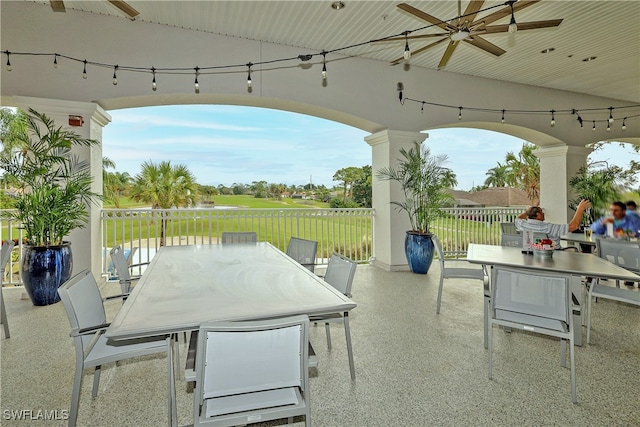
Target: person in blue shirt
column 632, row 208
column 619, row 218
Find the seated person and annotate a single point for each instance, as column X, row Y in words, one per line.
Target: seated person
column 632, row 209
column 533, row 220
column 619, row 218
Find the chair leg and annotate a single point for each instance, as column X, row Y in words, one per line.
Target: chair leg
column 490, row 350
column 486, row 320
column 96, row 381
column 572, row 351
column 328, row 330
column 173, row 412
column 589, row 308
column 3, row 317
column 439, row 293
column 75, row 394
column 176, row 338
column 347, row 332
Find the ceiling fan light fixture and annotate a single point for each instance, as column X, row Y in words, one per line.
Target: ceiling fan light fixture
column 460, row 35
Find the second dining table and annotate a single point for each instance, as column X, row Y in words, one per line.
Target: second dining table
column 562, row 262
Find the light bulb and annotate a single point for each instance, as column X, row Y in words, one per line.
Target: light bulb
column 608, row 127
column 553, row 118
column 513, row 27
column 84, row 70
column 594, row 126
column 154, row 86
column 553, row 123
column 197, row 87
column 55, row 61
column 115, row 78
column 624, row 124
column 249, row 83
column 324, row 65
column 459, row 113
column 324, row 74
column 502, row 120
column 407, row 51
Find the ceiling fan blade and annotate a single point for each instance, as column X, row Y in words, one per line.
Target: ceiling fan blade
column 522, row 26
column 453, row 44
column 125, row 7
column 57, row 5
column 493, row 17
column 418, row 51
column 426, row 17
column 472, row 10
column 423, row 36
column 478, row 41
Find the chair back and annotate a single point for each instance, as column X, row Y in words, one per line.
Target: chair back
column 5, row 255
column 83, row 303
column 623, row 253
column 340, row 273
column 439, row 252
column 120, row 263
column 238, row 237
column 236, row 359
column 531, row 297
column 303, row 251
column 508, row 227
column 511, row 240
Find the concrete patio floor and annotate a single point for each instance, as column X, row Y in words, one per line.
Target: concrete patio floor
column 413, row 367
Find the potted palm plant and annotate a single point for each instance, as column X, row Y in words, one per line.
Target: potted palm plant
column 424, row 181
column 54, row 190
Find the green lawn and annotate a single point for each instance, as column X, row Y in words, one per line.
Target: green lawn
column 241, row 201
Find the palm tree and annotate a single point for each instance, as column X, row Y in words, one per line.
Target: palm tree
column 524, row 171
column 165, row 187
column 497, row 176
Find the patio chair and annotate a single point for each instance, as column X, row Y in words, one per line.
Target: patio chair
column 84, row 306
column 513, row 240
column 5, row 255
column 461, row 273
column 303, row 251
column 340, row 273
column 508, row 227
column 252, row 371
column 537, row 302
column 236, row 237
column 123, row 268
column 625, row 254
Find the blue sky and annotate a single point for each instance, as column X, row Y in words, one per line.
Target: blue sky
column 227, row 144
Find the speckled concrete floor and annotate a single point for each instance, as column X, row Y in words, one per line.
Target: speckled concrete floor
column 414, row 368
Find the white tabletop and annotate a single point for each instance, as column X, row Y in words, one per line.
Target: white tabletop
column 562, row 262
column 185, row 286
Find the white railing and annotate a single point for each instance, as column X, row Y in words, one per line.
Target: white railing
column 10, row 230
column 347, row 231
column 462, row 226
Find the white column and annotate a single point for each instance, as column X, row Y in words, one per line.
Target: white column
column 86, row 243
column 389, row 225
column 557, row 166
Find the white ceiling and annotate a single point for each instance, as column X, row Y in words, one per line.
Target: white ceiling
column 607, row 30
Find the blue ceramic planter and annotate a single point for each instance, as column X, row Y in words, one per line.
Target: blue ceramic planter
column 44, row 270
column 419, row 251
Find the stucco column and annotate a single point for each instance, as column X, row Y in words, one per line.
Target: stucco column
column 86, row 243
column 557, row 166
column 389, row 225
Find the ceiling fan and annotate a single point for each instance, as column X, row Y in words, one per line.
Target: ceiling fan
column 58, row 6
column 468, row 28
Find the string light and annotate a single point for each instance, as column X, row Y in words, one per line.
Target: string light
column 610, row 115
column 594, row 126
column 115, row 78
column 154, row 85
column 55, row 61
column 624, row 124
column 324, row 65
column 502, row 120
column 553, row 118
column 459, row 113
column 84, row 70
column 513, row 27
column 196, row 85
column 608, row 127
column 8, row 60
column 407, row 51
column 249, row 83
column 422, row 108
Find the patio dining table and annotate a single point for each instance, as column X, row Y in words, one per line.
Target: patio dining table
column 185, row 286
column 563, row 262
